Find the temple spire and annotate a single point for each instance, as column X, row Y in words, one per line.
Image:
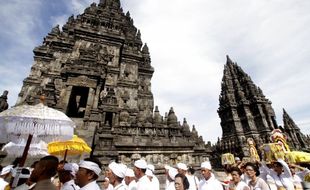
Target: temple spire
column 229, row 61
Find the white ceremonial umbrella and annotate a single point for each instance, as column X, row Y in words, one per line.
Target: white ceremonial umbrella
column 39, row 121
column 16, row 149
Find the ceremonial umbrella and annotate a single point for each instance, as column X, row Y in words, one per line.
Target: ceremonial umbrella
column 75, row 146
column 39, row 121
column 16, row 149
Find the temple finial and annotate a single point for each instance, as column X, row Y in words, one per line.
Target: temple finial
column 228, row 59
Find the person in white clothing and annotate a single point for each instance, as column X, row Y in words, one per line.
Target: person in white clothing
column 106, row 185
column 88, row 173
column 208, row 181
column 298, row 176
column 143, row 182
column 5, row 172
column 236, row 183
column 130, row 179
column 192, row 179
column 281, row 174
column 116, row 174
column 155, row 181
column 67, row 175
column 172, row 172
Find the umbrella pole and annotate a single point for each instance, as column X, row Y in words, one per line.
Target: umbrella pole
column 66, row 152
column 22, row 161
column 25, row 153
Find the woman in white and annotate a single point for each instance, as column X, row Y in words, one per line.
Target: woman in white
column 255, row 183
column 236, row 183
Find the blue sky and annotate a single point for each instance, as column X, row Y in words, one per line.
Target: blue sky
column 188, row 41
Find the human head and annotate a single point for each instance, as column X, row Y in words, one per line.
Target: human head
column 181, row 182
column 182, row 168
column 206, row 169
column 140, row 168
column 89, row 171
column 235, row 173
column 44, row 169
column 191, row 170
column 6, row 171
column 68, row 172
column 149, row 174
column 251, row 170
column 129, row 176
column 105, row 183
column 277, row 167
column 116, row 173
column 172, row 173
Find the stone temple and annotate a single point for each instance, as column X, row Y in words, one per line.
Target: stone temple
column 98, row 71
column 245, row 113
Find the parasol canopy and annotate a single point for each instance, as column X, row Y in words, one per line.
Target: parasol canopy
column 75, row 146
column 42, row 122
column 16, row 149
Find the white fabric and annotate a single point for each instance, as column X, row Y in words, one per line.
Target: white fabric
column 6, row 169
column 23, row 186
column 167, row 167
column 151, row 167
column 172, row 173
column 91, row 166
column 170, row 186
column 212, row 183
column 283, row 180
column 72, row 167
column 120, row 187
column 129, row 172
column 24, row 176
column 240, row 186
column 117, row 169
column 155, row 183
column 69, row 185
column 3, row 183
column 144, row 183
column 206, row 165
column 149, row 173
column 132, row 185
column 46, row 123
column 91, row 186
column 110, row 187
column 182, row 166
column 141, row 164
column 193, row 182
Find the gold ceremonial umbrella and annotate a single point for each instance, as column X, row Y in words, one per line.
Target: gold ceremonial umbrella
column 75, row 146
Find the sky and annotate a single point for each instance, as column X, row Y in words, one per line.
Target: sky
column 188, row 43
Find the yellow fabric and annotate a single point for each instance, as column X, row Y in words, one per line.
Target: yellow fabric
column 300, row 156
column 75, row 146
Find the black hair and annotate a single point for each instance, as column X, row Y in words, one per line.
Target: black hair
column 184, row 180
column 52, row 164
column 34, row 164
column 235, row 169
column 143, row 170
column 254, row 166
column 191, row 170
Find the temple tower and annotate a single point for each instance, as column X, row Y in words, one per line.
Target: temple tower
column 98, row 71
column 244, row 111
column 295, row 138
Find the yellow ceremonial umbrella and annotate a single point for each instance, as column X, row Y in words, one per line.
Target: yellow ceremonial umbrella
column 75, row 146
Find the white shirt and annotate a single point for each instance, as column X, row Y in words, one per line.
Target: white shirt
column 285, row 179
column 193, row 182
column 91, row 186
column 144, row 183
column 3, row 183
column 120, row 187
column 69, row 185
column 240, row 186
column 155, row 183
column 170, row 186
column 132, row 185
column 212, row 183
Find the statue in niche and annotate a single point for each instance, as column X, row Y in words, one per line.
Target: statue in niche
column 3, row 101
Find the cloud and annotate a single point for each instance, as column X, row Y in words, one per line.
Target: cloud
column 188, row 41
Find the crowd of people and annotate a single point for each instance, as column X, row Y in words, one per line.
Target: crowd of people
column 50, row 174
